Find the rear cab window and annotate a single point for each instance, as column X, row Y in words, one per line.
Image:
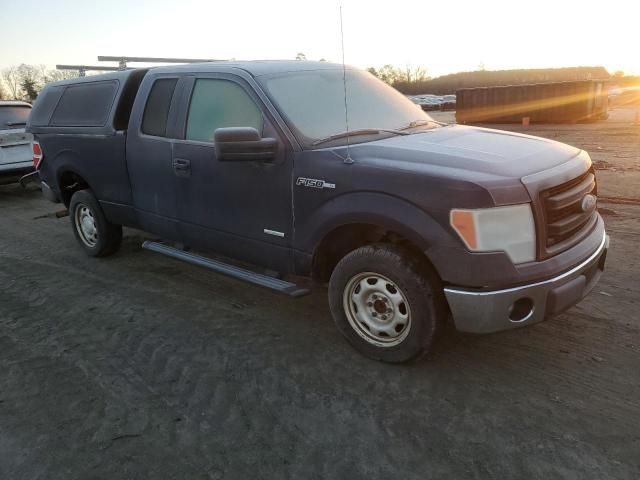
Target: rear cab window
column 156, row 111
column 13, row 116
column 217, row 103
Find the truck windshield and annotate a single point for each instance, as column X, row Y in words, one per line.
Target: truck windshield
column 313, row 105
column 12, row 116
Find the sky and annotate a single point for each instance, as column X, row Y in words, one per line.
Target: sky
column 444, row 37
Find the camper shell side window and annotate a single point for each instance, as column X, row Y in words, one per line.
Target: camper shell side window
column 99, row 106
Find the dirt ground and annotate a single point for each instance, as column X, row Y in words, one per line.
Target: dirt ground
column 138, row 366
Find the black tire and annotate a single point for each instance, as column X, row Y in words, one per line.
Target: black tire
column 420, row 291
column 107, row 238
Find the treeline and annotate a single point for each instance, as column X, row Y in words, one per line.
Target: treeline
column 400, row 76
column 416, row 81
column 24, row 82
column 628, row 81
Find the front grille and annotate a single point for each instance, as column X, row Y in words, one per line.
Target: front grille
column 566, row 223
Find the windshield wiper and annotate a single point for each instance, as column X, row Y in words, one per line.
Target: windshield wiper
column 13, row 124
column 420, row 123
column 361, row 131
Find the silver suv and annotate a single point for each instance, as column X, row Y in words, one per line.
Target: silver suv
column 16, row 156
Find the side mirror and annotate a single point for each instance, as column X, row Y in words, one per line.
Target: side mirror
column 243, row 143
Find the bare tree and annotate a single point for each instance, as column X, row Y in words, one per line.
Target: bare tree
column 24, row 82
column 3, row 93
column 394, row 75
column 57, row 75
column 12, row 82
column 389, row 74
column 414, row 74
column 42, row 69
column 29, row 80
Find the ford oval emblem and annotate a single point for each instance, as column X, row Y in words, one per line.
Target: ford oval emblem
column 588, row 202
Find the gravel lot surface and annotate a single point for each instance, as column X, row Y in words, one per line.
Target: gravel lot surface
column 138, row 366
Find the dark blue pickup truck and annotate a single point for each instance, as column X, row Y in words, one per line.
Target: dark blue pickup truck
column 411, row 222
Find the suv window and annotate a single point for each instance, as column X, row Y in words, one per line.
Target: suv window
column 13, row 116
column 85, row 105
column 156, row 111
column 220, row 103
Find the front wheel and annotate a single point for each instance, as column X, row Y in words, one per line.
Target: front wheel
column 96, row 234
column 386, row 302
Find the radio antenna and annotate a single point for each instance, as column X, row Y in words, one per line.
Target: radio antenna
column 348, row 160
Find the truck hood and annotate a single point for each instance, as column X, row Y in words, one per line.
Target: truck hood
column 461, row 151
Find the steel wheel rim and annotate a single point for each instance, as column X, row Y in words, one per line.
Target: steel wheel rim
column 86, row 225
column 377, row 309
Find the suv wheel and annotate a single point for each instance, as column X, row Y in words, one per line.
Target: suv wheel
column 387, row 304
column 95, row 233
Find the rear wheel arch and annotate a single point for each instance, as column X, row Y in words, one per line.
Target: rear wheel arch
column 69, row 182
column 94, row 232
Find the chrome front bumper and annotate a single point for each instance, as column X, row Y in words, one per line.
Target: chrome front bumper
column 476, row 311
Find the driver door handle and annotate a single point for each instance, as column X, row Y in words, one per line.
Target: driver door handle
column 182, row 167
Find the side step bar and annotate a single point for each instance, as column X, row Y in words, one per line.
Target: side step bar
column 276, row 284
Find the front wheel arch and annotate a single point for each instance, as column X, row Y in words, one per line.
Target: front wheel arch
column 383, row 217
column 344, row 239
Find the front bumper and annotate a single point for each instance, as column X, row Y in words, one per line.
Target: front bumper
column 476, row 311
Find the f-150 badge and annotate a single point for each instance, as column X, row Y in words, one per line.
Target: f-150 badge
column 314, row 183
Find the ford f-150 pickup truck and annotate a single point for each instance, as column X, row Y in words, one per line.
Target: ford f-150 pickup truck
column 410, row 221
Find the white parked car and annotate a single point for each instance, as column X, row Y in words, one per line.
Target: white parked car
column 16, row 156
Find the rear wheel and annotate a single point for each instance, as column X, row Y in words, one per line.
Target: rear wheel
column 386, row 303
column 95, row 233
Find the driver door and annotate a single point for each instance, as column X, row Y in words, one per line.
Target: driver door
column 239, row 208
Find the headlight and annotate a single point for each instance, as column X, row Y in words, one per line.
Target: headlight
column 507, row 229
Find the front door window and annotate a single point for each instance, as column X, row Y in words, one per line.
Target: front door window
column 220, row 103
